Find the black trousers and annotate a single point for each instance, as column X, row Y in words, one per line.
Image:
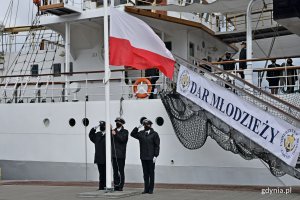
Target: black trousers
column 148, row 171
column 102, row 175
column 242, row 75
column 242, row 66
column 119, row 175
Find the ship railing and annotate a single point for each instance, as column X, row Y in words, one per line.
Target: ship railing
column 284, row 106
column 237, row 22
column 14, row 41
column 217, row 22
column 74, row 3
column 79, row 86
column 209, row 20
column 288, row 76
column 83, row 4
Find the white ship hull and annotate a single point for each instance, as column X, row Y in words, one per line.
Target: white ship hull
column 32, row 151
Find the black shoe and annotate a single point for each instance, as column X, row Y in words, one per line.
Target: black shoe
column 101, row 188
column 118, row 189
column 150, row 192
column 144, row 192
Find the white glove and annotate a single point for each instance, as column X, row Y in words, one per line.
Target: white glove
column 95, row 127
column 103, row 133
column 154, row 159
column 140, row 126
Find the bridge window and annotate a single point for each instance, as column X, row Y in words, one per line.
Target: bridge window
column 70, row 68
column 34, row 69
column 209, row 59
column 192, row 49
column 56, row 68
column 168, row 45
column 85, row 121
column 72, row 122
column 159, row 121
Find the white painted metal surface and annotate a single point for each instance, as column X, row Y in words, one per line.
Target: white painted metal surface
column 26, row 139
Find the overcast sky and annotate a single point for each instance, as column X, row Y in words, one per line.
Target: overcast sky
column 23, row 11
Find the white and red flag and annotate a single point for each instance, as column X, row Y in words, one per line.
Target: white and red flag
column 133, row 43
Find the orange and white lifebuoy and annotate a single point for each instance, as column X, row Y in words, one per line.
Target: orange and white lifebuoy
column 137, row 90
column 37, row 2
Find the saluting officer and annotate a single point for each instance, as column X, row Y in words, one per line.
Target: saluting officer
column 119, row 143
column 98, row 138
column 149, row 151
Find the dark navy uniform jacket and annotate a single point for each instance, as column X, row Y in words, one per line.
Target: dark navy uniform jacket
column 119, row 143
column 149, row 143
column 99, row 140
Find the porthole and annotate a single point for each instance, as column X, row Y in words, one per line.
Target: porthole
column 142, row 119
column 85, row 121
column 72, row 122
column 159, row 121
column 46, row 122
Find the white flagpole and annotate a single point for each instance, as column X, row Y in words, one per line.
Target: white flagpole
column 107, row 100
column 67, row 59
column 249, row 71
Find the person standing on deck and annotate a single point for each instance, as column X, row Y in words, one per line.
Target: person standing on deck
column 273, row 77
column 149, row 150
column 98, row 138
column 119, row 142
column 153, row 75
column 291, row 76
column 228, row 66
column 243, row 56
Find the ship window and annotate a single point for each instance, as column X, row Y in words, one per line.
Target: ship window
column 34, row 69
column 209, row 59
column 142, row 119
column 56, row 69
column 72, row 122
column 203, row 44
column 46, row 122
column 85, row 121
column 206, row 17
column 169, row 45
column 159, row 121
column 192, row 49
column 70, row 68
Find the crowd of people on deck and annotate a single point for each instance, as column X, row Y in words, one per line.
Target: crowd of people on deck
column 149, row 150
column 273, row 75
column 285, row 79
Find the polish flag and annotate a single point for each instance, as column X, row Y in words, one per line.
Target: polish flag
column 133, row 43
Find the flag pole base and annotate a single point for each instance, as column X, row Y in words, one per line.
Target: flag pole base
column 109, row 190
